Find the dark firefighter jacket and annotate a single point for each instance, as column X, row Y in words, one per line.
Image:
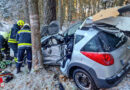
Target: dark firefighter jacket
column 12, row 34
column 24, row 37
column 2, row 40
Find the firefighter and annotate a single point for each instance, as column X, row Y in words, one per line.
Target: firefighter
column 4, row 48
column 12, row 37
column 24, row 44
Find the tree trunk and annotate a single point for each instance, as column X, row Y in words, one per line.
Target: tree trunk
column 98, row 6
column 26, row 13
column 63, row 12
column 35, row 28
column 89, row 8
column 128, row 1
column 120, row 2
column 94, row 7
column 60, row 13
column 70, row 10
column 49, row 11
column 40, row 4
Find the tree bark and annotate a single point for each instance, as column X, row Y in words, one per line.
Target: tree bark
column 40, row 4
column 49, row 11
column 35, row 34
column 89, row 8
column 128, row 1
column 26, row 13
column 60, row 13
column 63, row 12
column 70, row 10
column 120, row 2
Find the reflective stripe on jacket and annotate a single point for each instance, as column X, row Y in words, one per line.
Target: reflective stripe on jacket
column 12, row 34
column 24, row 38
column 24, row 44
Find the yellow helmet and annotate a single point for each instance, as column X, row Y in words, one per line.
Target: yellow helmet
column 20, row 23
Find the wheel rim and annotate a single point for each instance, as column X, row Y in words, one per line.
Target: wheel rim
column 83, row 81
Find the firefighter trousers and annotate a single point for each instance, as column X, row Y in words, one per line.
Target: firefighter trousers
column 21, row 53
column 14, row 47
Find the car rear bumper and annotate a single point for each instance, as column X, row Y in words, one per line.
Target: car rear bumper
column 102, row 83
column 114, row 80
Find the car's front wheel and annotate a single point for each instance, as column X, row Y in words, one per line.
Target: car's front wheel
column 83, row 80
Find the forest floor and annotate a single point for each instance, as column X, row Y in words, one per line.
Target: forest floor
column 48, row 79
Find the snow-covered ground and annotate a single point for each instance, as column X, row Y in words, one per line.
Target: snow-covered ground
column 42, row 80
column 48, row 79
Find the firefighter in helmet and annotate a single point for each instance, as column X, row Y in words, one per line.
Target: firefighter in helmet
column 12, row 37
column 24, row 44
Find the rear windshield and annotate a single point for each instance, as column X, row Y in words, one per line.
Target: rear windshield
column 104, row 42
column 110, row 42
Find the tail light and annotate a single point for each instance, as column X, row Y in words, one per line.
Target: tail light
column 102, row 58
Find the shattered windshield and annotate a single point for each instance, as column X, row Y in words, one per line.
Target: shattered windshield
column 72, row 29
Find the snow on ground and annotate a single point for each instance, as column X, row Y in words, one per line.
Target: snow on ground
column 43, row 80
column 48, row 79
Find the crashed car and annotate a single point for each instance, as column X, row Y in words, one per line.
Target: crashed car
column 53, row 45
column 96, row 55
column 98, row 58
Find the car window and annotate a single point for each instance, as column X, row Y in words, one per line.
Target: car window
column 93, row 45
column 104, row 42
column 111, row 42
column 78, row 38
column 72, row 29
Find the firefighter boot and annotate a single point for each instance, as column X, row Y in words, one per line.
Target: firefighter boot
column 18, row 69
column 29, row 66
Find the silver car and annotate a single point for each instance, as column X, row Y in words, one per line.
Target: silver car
column 93, row 57
column 96, row 58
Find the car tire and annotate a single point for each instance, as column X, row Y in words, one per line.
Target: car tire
column 83, row 80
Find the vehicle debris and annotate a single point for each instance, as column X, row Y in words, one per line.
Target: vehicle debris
column 5, row 63
column 6, row 76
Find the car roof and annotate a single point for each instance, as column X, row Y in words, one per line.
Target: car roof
column 91, row 31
